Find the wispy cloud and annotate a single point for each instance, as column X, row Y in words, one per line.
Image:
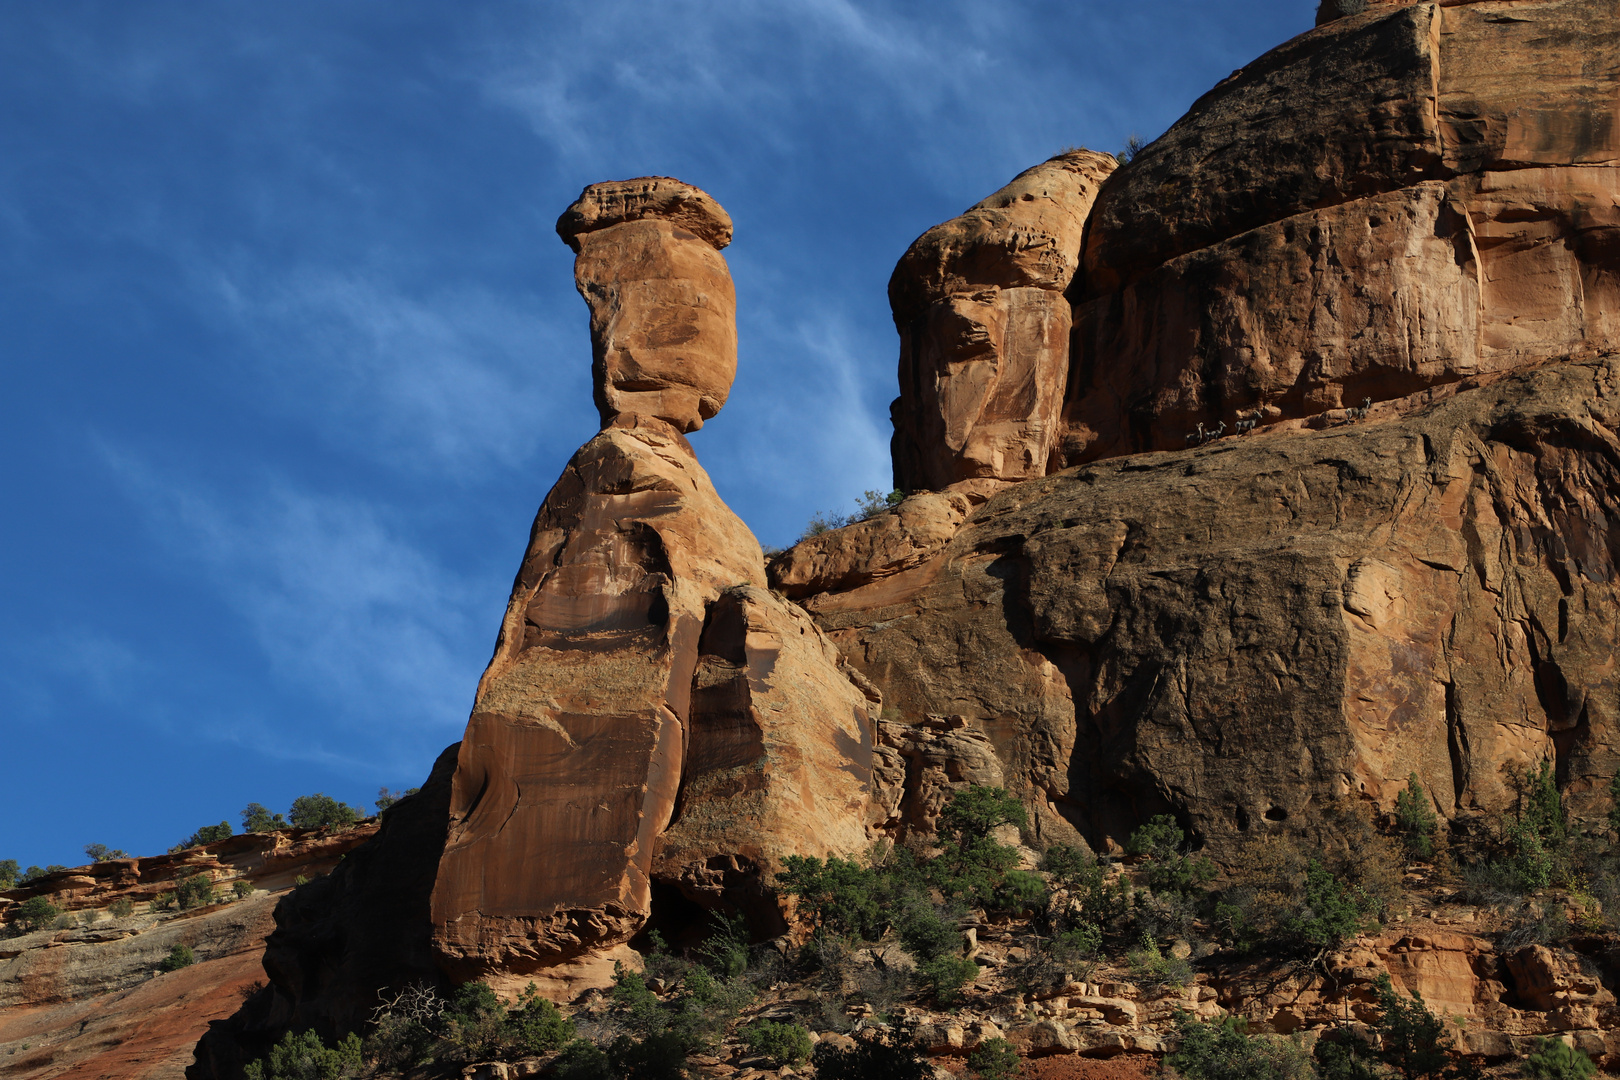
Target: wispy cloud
column 458, row 380
column 346, row 610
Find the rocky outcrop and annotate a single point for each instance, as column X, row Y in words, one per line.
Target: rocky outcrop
column 1247, row 634
column 984, row 331
column 878, row 547
column 88, row 997
column 663, row 309
column 649, row 714
column 1402, row 198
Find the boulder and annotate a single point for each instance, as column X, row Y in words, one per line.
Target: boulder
column 984, row 331
column 1547, row 980
column 879, row 547
column 663, row 308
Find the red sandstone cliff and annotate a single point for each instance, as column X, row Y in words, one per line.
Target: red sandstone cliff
column 1254, row 475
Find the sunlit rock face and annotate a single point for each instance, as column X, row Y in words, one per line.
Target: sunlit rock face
column 651, row 716
column 663, row 309
column 1408, row 196
column 984, row 331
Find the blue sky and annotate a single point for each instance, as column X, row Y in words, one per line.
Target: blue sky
column 292, row 352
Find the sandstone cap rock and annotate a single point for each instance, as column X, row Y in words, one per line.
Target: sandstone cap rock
column 615, row 202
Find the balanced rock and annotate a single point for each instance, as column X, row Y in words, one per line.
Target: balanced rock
column 649, row 716
column 663, row 308
column 1399, row 199
column 984, row 331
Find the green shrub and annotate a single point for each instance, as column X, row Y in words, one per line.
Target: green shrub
column 258, row 819
column 581, row 1060
column 1413, row 1039
column 1076, row 951
column 944, row 976
column 869, row 505
column 535, row 1026
column 840, row 896
column 725, row 951
column 163, row 901
column 34, row 873
column 319, row 810
column 1224, row 1050
column 195, row 891
column 780, row 1044
column 386, row 798
column 1288, row 900
column 1151, row 969
column 1554, row 1059
column 1104, row 902
column 890, row 1054
column 179, row 957
column 972, row 866
column 300, row 880
column 208, row 834
column 35, row 913
column 306, row 1057
column 995, row 1059
column 242, row 889
column 1345, row 1057
column 122, row 908
column 10, row 873
column 1415, row 819
column 101, row 852
column 1169, row 868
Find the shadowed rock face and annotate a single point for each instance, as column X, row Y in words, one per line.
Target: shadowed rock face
column 984, row 331
column 1400, row 199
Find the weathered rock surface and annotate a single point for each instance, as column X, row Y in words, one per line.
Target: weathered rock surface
column 778, row 759
column 571, row 763
column 1399, row 199
column 1247, row 634
column 663, row 309
column 984, row 331
column 88, row 999
column 879, row 547
column 649, row 714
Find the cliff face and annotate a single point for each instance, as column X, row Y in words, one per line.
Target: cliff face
column 1250, row 477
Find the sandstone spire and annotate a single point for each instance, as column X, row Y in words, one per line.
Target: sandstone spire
column 984, row 331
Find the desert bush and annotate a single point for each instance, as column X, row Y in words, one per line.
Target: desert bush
column 1169, row 867
column 386, row 798
column 205, row 835
column 995, row 1059
column 307, row 1057
column 320, row 810
column 838, row 897
column 122, row 908
column 257, row 818
column 163, row 901
column 10, row 873
column 34, row 873
column 242, row 889
column 1554, row 1059
column 780, row 1044
column 65, row 921
column 179, row 957
column 195, row 891
column 1151, row 969
column 1534, row 924
column 891, row 1054
column 1133, row 146
column 1415, row 819
column 868, row 506
column 35, row 913
column 1413, row 1040
column 535, row 1026
column 1224, row 1050
column 101, row 852
column 1297, row 902
column 1102, row 901
column 972, row 865
column 725, row 950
